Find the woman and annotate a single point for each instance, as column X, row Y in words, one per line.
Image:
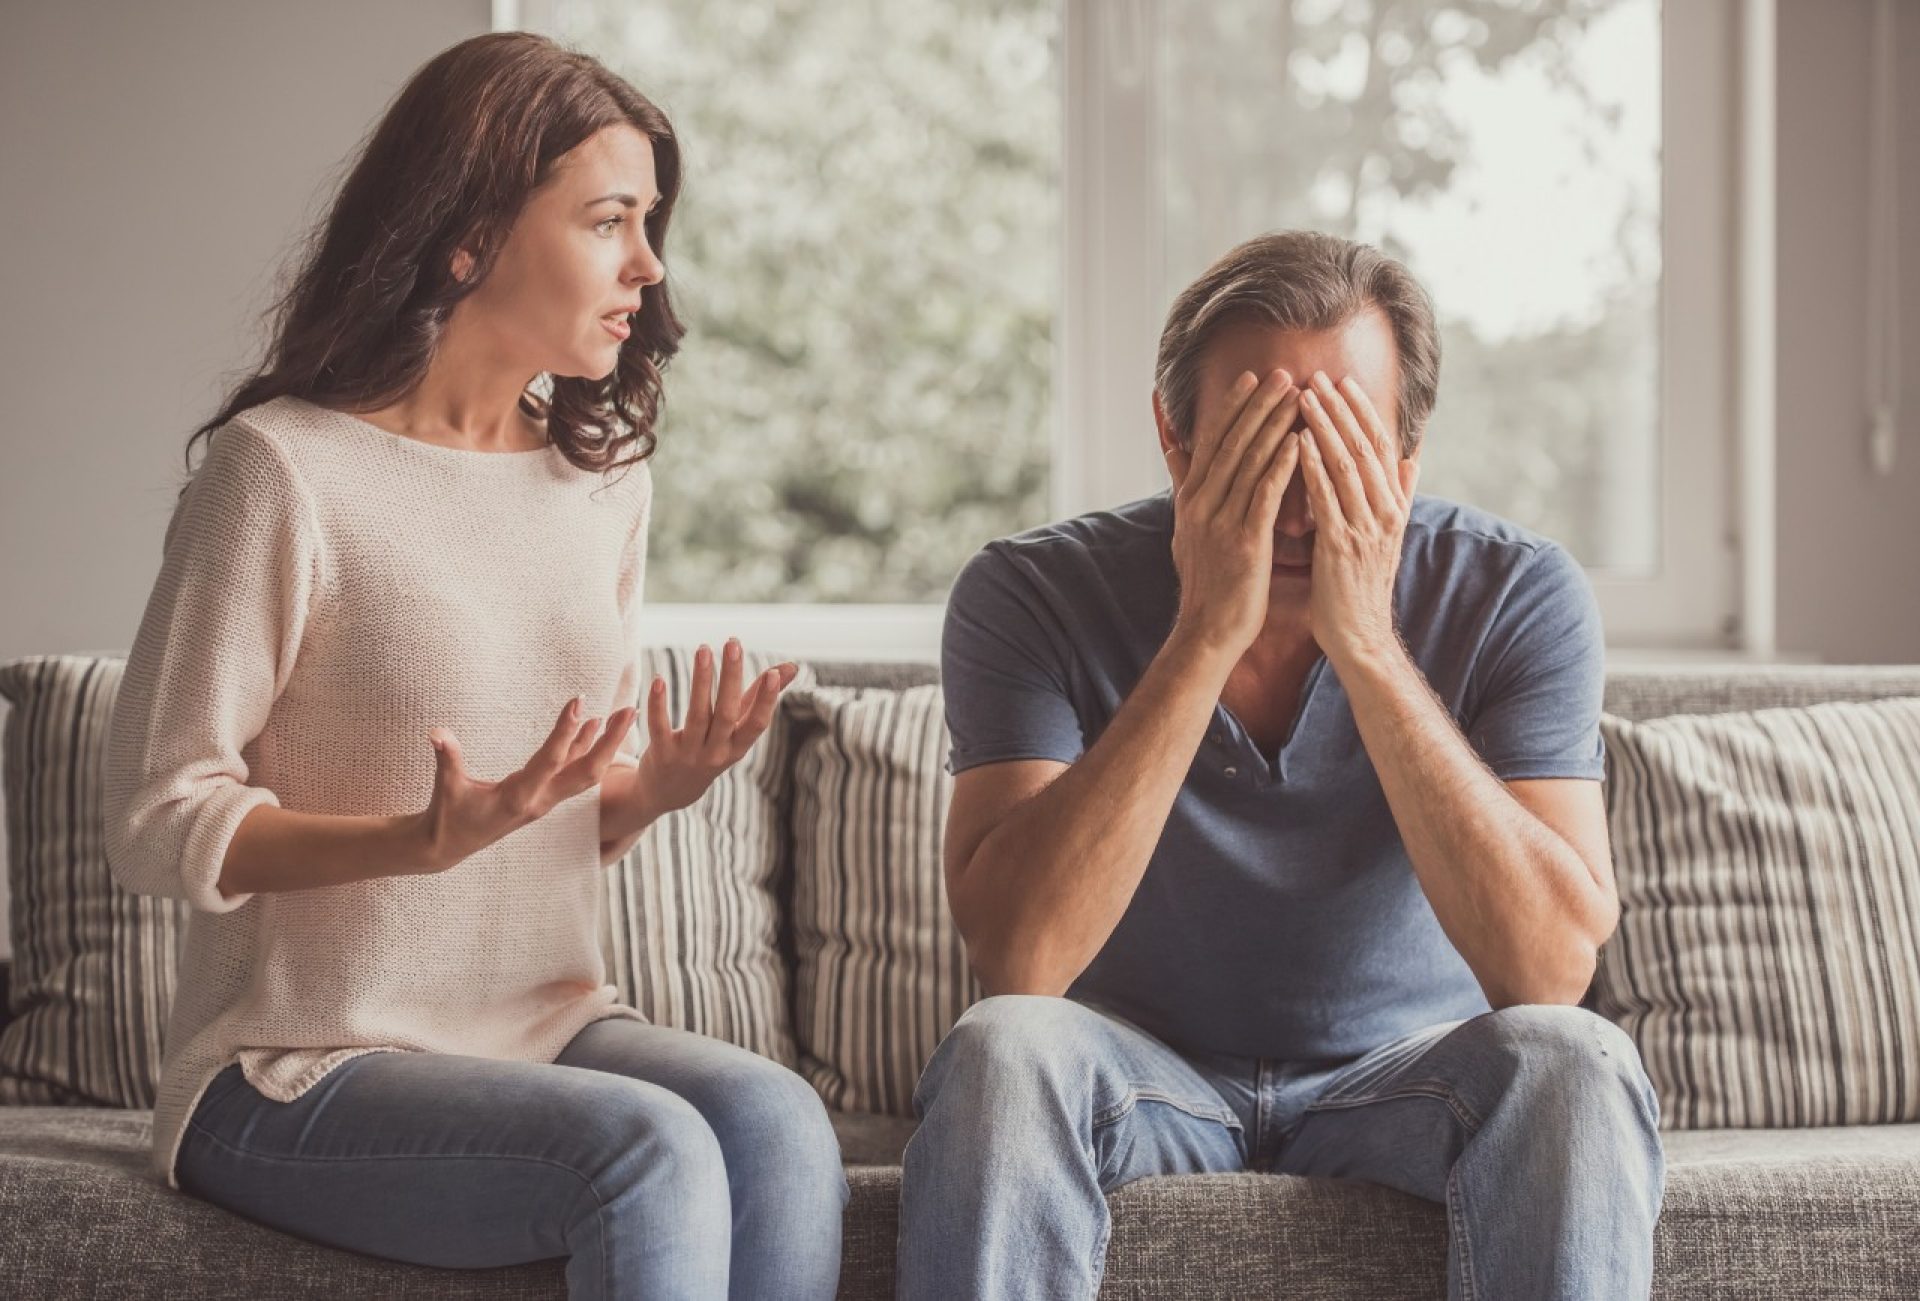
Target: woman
column 392, row 1031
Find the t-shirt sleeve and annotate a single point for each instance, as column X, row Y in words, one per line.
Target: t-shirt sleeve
column 630, row 589
column 241, row 567
column 1542, row 675
column 1005, row 669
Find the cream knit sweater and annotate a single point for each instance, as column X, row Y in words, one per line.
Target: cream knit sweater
column 329, row 592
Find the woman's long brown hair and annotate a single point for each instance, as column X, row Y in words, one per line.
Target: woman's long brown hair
column 464, row 144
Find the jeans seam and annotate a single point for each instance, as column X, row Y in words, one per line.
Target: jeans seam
column 1257, row 1155
column 1097, row 1266
column 1419, row 1089
column 218, row 1141
column 1457, row 1226
column 1109, row 1114
column 599, row 1202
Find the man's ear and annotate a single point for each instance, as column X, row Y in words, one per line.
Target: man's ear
column 1169, row 440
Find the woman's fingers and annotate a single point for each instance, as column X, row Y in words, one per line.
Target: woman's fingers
column 764, row 700
column 582, row 740
column 726, row 713
column 659, row 722
column 601, row 753
column 560, row 739
column 700, row 695
column 446, row 750
column 766, row 697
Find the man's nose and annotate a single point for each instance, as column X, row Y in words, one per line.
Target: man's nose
column 1296, row 510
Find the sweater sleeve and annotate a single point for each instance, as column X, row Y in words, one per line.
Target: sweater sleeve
column 240, row 571
column 632, row 586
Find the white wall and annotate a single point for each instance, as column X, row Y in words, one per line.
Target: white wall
column 1849, row 542
column 159, row 162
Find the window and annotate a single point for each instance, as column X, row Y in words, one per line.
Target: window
column 926, row 250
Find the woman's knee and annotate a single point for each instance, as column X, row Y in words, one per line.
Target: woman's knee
column 770, row 1119
column 627, row 1134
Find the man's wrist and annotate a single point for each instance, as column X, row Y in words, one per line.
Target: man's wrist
column 1195, row 651
column 1370, row 659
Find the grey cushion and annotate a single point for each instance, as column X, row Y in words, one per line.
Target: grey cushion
column 1646, row 691
column 1633, row 691
column 875, row 673
column 1810, row 1213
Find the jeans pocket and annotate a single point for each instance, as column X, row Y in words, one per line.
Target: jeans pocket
column 1386, row 1063
column 1214, row 1111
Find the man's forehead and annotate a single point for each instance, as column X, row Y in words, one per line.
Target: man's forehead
column 1361, row 347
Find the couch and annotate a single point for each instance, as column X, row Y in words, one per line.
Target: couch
column 1821, row 1212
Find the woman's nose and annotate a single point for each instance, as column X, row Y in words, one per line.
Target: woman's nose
column 648, row 268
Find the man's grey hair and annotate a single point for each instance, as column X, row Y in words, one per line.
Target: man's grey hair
column 1300, row 280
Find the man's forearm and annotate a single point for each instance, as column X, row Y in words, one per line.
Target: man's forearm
column 1044, row 890
column 1514, row 897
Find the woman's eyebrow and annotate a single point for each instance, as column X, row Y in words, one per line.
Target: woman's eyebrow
column 626, row 200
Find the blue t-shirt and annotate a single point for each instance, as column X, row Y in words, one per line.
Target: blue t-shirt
column 1279, row 916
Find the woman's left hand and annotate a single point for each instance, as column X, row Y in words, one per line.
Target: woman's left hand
column 679, row 764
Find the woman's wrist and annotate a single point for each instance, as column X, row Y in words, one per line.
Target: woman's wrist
column 625, row 810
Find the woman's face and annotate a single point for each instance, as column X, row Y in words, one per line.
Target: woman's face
column 576, row 258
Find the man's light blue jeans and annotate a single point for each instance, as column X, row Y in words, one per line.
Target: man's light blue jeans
column 1534, row 1125
column 659, row 1163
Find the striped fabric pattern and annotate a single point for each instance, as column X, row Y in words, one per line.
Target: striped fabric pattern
column 1767, row 961
column 93, row 965
column 881, row 972
column 692, row 926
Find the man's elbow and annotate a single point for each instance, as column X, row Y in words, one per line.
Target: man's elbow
column 1004, row 968
column 1565, row 985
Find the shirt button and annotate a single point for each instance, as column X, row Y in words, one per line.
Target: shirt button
column 1219, row 739
column 1232, row 771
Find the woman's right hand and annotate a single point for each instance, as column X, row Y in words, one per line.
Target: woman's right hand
column 468, row 814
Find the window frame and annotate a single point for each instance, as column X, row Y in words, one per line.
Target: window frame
column 1712, row 594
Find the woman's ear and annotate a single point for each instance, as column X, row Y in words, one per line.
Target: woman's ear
column 462, row 265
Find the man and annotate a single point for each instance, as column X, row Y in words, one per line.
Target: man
column 1277, row 837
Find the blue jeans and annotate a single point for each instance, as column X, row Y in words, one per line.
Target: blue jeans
column 1535, row 1125
column 659, row 1163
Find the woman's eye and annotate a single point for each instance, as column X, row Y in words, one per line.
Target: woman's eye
column 610, row 221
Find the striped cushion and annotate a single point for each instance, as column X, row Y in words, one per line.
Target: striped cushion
column 93, row 965
column 692, row 924
column 1768, row 956
column 881, row 972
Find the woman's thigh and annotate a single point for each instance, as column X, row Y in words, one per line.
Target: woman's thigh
column 771, row 1125
column 730, row 1086
column 447, row 1160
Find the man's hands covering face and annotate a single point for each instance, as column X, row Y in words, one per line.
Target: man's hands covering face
column 1226, row 496
column 1361, row 492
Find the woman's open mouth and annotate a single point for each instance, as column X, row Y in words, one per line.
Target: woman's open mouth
column 617, row 326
